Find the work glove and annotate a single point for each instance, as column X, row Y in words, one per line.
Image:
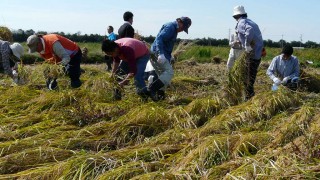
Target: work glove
column 161, row 59
column 15, row 74
column 248, row 49
column 276, row 81
column 285, row 80
column 66, row 69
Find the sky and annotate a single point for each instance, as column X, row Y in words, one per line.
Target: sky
column 291, row 20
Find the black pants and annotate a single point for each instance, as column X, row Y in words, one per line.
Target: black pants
column 109, row 61
column 74, row 70
column 252, row 66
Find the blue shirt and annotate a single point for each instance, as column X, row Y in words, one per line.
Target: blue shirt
column 249, row 33
column 164, row 42
column 112, row 37
column 283, row 68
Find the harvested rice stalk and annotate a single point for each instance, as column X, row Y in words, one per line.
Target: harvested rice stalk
column 236, row 78
column 182, row 46
column 24, row 74
column 52, row 70
column 5, row 34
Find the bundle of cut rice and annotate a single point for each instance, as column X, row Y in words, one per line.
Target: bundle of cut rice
column 5, row 34
column 236, row 80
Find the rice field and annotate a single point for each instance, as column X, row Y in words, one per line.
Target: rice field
column 195, row 133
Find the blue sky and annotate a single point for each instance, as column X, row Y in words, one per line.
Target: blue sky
column 290, row 19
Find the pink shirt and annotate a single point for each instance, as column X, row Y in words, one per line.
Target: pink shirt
column 130, row 51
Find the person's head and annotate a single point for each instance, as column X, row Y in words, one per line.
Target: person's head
column 238, row 12
column 110, row 48
column 34, row 44
column 184, row 24
column 128, row 16
column 110, row 29
column 287, row 51
column 17, row 50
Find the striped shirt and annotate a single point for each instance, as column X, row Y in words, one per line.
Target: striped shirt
column 5, row 52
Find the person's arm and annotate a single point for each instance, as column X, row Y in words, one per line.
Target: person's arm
column 272, row 68
column 115, row 66
column 129, row 53
column 296, row 68
column 59, row 50
column 5, row 49
column 164, row 35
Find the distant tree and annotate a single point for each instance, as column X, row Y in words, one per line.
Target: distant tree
column 311, row 44
column 295, row 43
column 42, row 32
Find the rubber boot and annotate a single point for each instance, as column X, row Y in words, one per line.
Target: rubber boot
column 144, row 94
column 52, row 83
column 117, row 94
column 161, row 95
column 154, row 88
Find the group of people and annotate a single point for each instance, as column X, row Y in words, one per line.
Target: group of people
column 130, row 57
column 284, row 69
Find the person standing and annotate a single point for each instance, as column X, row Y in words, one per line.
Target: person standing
column 136, row 54
column 235, row 50
column 9, row 55
column 251, row 40
column 161, row 50
column 126, row 30
column 60, row 50
column 284, row 69
column 111, row 37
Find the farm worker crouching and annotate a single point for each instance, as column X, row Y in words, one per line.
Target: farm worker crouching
column 133, row 52
column 284, row 69
column 58, row 49
column 9, row 56
column 235, row 50
column 161, row 50
column 251, row 40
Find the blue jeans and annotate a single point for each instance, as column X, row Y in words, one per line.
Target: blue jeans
column 138, row 78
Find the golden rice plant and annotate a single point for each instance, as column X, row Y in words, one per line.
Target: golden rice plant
column 211, row 151
column 249, row 144
column 263, row 106
column 236, row 79
column 294, row 126
column 181, row 48
column 32, row 158
column 5, row 34
column 52, row 70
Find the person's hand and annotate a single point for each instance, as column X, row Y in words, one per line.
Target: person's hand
column 124, row 82
column 285, row 80
column 66, row 69
column 161, row 59
column 276, row 81
column 15, row 74
column 248, row 49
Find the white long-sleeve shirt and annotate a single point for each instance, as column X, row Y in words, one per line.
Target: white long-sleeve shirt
column 281, row 68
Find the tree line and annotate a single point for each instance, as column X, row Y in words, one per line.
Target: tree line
column 22, row 35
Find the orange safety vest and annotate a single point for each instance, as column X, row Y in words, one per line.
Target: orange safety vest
column 71, row 47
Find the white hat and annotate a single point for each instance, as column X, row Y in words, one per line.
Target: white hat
column 17, row 49
column 238, row 10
